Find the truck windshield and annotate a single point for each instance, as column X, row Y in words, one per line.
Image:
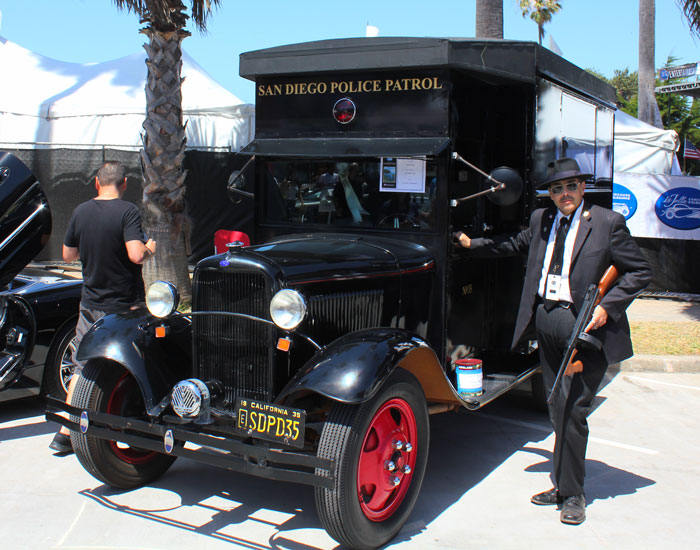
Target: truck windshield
column 387, row 193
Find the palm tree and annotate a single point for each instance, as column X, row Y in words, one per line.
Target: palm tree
column 648, row 110
column 489, row 19
column 691, row 9
column 163, row 152
column 540, row 11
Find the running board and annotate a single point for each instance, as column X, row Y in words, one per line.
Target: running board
column 495, row 385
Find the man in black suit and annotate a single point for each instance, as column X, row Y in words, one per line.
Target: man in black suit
column 590, row 239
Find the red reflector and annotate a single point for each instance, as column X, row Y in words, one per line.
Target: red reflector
column 283, row 344
column 160, row 332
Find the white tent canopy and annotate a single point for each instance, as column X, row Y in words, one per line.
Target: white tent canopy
column 641, row 148
column 49, row 103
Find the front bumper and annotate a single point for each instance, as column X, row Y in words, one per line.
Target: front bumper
column 214, row 445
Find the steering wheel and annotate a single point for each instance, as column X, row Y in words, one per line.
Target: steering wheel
column 405, row 218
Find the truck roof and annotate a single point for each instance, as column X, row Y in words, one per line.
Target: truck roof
column 498, row 59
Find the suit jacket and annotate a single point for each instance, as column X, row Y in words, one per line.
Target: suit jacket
column 602, row 239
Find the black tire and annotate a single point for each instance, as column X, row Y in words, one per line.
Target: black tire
column 59, row 366
column 357, row 436
column 107, row 387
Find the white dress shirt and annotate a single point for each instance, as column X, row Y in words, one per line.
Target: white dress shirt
column 564, row 290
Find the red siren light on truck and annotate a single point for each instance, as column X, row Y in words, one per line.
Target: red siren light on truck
column 344, row 110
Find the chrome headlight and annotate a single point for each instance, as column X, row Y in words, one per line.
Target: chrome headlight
column 162, row 298
column 287, row 309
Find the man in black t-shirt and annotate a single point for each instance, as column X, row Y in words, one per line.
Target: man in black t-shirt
column 105, row 234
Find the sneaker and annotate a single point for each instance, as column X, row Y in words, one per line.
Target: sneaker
column 61, row 444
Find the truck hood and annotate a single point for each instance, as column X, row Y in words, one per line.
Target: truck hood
column 25, row 218
column 300, row 259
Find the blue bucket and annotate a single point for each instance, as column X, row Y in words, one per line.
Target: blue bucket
column 469, row 377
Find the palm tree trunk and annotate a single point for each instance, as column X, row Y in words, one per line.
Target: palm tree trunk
column 489, row 19
column 647, row 110
column 163, row 213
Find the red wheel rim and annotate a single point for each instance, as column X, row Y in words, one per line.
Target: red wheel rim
column 387, row 460
column 121, row 400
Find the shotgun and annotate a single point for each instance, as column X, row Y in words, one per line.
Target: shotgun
column 594, row 294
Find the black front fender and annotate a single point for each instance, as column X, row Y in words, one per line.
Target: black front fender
column 352, row 368
column 128, row 338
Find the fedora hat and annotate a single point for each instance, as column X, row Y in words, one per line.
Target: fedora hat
column 562, row 169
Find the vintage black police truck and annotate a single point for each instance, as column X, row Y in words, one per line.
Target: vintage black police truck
column 317, row 354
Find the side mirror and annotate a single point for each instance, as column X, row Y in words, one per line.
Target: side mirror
column 507, row 185
column 237, row 182
column 513, row 190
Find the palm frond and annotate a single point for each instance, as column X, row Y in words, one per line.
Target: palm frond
column 691, row 10
column 169, row 15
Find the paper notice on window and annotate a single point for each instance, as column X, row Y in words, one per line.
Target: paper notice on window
column 402, row 175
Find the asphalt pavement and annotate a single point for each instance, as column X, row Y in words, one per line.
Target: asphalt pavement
column 642, row 484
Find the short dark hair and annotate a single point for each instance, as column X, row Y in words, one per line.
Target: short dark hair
column 111, row 173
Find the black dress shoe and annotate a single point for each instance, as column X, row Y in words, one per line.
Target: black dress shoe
column 547, row 498
column 61, row 444
column 573, row 512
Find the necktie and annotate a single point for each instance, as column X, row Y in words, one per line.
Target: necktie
column 555, row 265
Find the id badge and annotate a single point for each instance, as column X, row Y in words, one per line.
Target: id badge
column 552, row 287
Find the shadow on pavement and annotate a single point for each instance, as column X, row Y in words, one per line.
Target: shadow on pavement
column 464, row 449
column 26, row 408
column 692, row 310
column 602, row 480
column 224, row 502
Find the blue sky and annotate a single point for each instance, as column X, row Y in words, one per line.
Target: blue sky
column 598, row 34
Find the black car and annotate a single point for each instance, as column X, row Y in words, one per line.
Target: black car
column 38, row 304
column 317, row 355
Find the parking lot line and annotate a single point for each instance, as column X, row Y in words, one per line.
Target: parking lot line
column 72, row 525
column 651, row 381
column 548, row 429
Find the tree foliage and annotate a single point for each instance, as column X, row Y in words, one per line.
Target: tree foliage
column 678, row 112
column 691, row 10
column 169, row 15
column 626, row 88
column 541, row 12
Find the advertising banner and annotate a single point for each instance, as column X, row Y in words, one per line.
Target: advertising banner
column 659, row 206
column 682, row 71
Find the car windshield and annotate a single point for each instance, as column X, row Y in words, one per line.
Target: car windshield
column 387, row 193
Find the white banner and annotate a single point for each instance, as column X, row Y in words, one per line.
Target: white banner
column 659, row 206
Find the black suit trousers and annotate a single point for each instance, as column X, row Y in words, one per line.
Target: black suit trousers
column 574, row 400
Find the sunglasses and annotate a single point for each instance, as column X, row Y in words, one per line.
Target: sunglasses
column 559, row 189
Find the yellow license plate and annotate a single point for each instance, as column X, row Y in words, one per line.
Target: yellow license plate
column 270, row 421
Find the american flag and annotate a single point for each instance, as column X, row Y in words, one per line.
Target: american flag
column 690, row 151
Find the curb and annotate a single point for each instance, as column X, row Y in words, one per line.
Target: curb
column 660, row 363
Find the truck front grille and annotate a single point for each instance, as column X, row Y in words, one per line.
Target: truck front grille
column 233, row 350
column 333, row 315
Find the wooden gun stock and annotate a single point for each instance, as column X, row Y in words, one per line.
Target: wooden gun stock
column 606, row 281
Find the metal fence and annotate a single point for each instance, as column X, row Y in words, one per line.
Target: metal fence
column 67, row 177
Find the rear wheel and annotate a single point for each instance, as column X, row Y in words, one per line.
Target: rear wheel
column 380, row 449
column 59, row 366
column 107, row 387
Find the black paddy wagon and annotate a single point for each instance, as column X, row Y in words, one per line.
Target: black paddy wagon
column 317, row 354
